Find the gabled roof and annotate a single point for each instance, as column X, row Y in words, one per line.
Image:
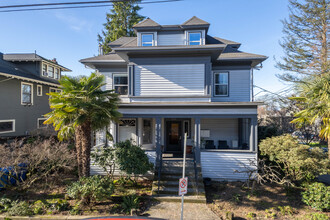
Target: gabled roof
column 195, row 21
column 147, row 23
column 9, row 69
column 30, row 57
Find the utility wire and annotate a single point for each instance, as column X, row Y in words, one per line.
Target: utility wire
column 87, row 6
column 61, row 3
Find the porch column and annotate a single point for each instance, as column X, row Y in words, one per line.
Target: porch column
column 197, row 139
column 158, row 131
column 254, row 133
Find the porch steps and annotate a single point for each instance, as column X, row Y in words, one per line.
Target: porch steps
column 169, row 182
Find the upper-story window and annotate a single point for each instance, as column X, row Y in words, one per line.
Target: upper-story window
column 120, row 84
column 51, row 71
column 44, row 70
column 147, row 40
column 57, row 73
column 221, row 84
column 194, row 38
column 26, row 93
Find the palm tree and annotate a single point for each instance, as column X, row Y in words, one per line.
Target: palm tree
column 79, row 109
column 315, row 99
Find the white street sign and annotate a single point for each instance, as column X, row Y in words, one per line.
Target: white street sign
column 183, row 186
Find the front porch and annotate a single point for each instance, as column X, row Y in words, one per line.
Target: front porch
column 223, row 138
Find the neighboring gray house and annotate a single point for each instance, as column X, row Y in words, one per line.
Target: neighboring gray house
column 24, row 81
column 175, row 79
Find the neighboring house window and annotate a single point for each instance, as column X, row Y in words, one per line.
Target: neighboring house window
column 39, row 90
column 44, row 70
column 51, row 71
column 147, row 132
column 221, row 84
column 57, row 73
column 40, row 123
column 51, row 89
column 26, row 93
column 147, row 40
column 7, row 126
column 186, row 128
column 194, row 38
column 120, row 84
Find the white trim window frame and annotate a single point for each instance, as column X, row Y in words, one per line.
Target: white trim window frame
column 154, row 38
column 147, row 43
column 114, row 84
column 202, row 36
column 44, row 69
column 13, row 126
column 26, row 93
column 193, row 42
column 39, row 90
column 221, row 82
column 38, row 123
column 57, row 73
column 51, row 71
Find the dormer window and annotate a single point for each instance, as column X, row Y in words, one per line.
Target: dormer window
column 57, row 73
column 51, row 71
column 194, row 38
column 44, row 70
column 147, row 40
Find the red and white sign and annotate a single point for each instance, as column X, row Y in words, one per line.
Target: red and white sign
column 183, row 186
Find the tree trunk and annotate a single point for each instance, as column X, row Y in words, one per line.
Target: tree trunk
column 85, row 148
column 78, row 135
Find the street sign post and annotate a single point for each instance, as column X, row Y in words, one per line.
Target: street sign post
column 183, row 183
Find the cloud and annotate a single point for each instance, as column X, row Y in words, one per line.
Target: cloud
column 74, row 23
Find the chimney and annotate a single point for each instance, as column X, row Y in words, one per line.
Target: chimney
column 54, row 60
column 100, row 49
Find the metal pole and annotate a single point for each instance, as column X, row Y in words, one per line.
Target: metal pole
column 183, row 170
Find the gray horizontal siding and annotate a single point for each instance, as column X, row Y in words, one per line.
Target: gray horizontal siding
column 222, row 165
column 170, row 80
column 175, row 38
column 239, row 87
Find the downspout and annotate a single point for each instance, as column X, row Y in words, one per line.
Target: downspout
column 252, row 88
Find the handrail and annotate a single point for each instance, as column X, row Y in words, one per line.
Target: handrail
column 195, row 168
column 160, row 169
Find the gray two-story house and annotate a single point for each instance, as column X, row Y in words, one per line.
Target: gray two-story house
column 25, row 79
column 176, row 79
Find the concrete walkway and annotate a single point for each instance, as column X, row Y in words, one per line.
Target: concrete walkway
column 172, row 211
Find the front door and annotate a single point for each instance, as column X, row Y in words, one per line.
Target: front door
column 173, row 136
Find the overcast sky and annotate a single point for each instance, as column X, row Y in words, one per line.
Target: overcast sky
column 71, row 34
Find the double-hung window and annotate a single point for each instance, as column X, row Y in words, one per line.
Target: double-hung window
column 221, row 84
column 194, row 38
column 147, row 40
column 120, row 84
column 44, row 70
column 39, row 90
column 26, row 93
column 51, row 71
column 57, row 73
